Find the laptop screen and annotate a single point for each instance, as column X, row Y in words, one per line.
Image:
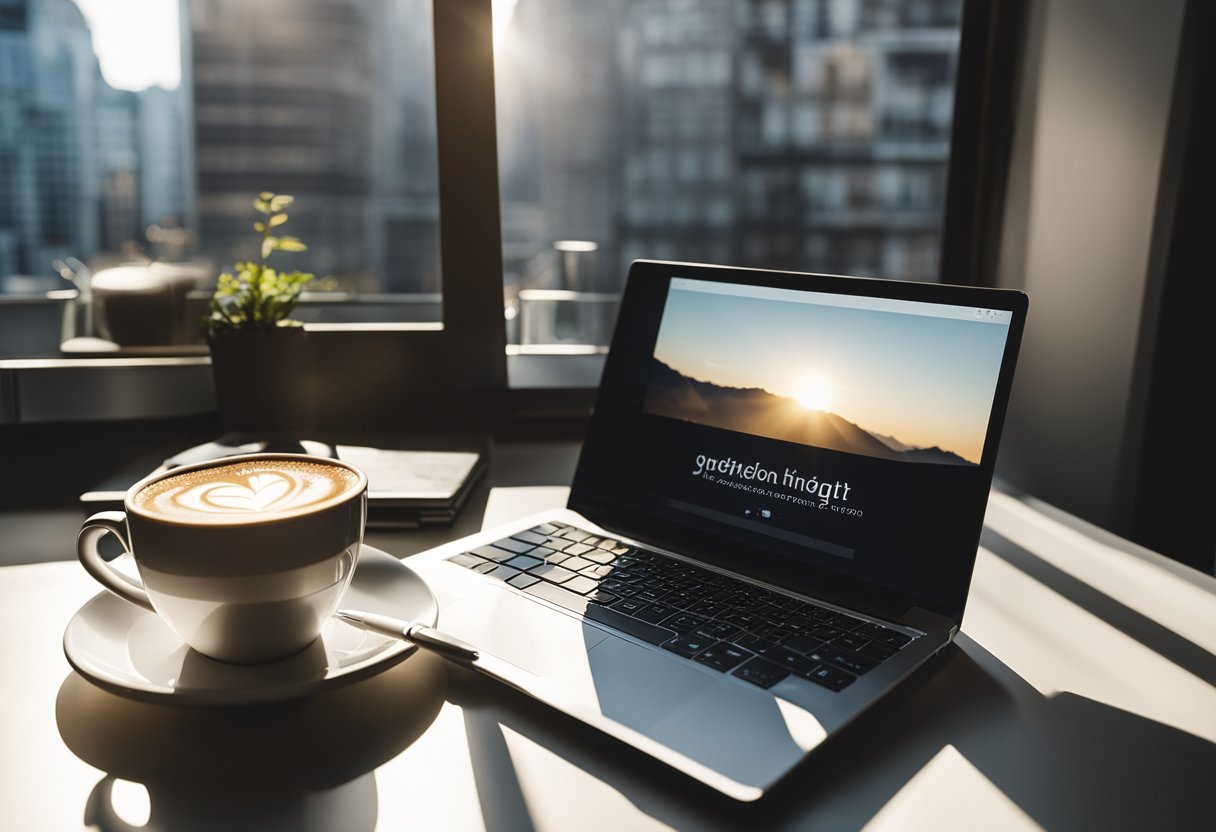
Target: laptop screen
column 808, row 432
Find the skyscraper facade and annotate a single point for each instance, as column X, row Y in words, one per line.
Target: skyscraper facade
column 117, row 157
column 844, row 111
column 680, row 150
column 15, row 171
column 799, row 134
column 48, row 86
column 403, row 226
column 79, row 160
column 561, row 116
column 283, row 101
column 161, row 143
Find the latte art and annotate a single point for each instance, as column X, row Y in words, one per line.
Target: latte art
column 245, row 490
column 271, row 491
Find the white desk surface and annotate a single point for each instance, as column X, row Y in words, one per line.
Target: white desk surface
column 1079, row 696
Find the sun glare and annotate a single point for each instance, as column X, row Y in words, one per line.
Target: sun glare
column 138, row 42
column 814, row 394
column 503, row 11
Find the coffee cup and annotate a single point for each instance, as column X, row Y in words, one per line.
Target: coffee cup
column 245, row 557
column 134, row 306
column 148, row 305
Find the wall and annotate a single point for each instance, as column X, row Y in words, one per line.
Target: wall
column 1092, row 114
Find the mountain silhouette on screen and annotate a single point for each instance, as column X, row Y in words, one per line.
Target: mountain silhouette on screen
column 757, row 411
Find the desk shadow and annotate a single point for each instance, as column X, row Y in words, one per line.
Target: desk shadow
column 1157, row 637
column 300, row 765
column 657, row 789
column 498, row 790
column 1068, row 762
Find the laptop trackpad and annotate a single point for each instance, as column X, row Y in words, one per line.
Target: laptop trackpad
column 526, row 634
column 638, row 687
column 627, row 683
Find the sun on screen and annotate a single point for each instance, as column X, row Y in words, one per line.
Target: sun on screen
column 814, row 394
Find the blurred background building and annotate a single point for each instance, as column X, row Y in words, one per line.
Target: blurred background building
column 50, row 92
column 799, row 134
column 84, row 167
column 404, row 224
column 283, row 102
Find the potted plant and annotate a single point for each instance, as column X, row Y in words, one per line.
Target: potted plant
column 263, row 384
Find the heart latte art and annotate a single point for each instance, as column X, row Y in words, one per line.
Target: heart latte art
column 245, row 490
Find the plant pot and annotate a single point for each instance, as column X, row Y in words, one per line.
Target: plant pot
column 263, row 383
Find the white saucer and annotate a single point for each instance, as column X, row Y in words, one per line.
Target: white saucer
column 128, row 650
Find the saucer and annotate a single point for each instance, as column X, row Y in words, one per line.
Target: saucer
column 132, row 652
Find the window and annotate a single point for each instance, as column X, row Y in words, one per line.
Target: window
column 128, row 131
column 799, row 134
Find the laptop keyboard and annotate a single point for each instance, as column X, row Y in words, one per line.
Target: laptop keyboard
column 756, row 634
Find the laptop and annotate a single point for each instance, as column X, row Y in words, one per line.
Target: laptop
column 773, row 522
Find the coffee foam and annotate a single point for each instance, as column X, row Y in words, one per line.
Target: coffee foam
column 244, row 491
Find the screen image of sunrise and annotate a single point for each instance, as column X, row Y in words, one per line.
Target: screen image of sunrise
column 891, row 385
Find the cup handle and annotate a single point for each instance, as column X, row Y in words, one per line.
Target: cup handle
column 96, row 527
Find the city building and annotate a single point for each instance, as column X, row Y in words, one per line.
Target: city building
column 162, row 139
column 844, row 114
column 283, row 95
column 50, row 187
column 84, row 168
column 799, row 134
column 403, row 225
column 561, row 135
column 14, row 173
column 680, row 200
column 117, row 154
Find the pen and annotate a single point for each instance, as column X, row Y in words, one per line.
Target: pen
column 455, row 650
column 419, row 634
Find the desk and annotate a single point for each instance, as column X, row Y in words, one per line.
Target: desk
column 1080, row 695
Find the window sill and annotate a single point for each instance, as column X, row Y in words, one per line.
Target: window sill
column 103, row 389
column 107, row 389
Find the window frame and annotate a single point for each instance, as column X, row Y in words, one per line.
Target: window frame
column 991, row 39
column 470, row 342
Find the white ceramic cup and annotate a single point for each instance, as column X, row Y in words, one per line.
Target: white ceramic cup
column 255, row 579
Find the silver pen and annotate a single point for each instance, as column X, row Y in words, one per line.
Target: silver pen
column 457, row 651
column 420, row 634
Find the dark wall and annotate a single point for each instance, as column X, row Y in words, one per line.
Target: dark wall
column 1089, row 172
column 1169, row 491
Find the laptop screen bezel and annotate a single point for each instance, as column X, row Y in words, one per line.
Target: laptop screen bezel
column 634, row 341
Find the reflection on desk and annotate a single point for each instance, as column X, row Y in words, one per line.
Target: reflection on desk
column 1082, row 694
column 298, row 765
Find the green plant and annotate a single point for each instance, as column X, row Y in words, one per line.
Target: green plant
column 259, row 297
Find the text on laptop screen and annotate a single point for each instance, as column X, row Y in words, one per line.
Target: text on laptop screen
column 836, row 430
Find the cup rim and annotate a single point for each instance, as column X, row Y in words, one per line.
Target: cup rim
column 315, row 508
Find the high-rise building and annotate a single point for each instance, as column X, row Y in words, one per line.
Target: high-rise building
column 15, row 170
column 80, row 162
column 162, row 141
column 844, row 111
column 283, row 95
column 404, row 214
column 563, row 132
column 802, row 134
column 48, row 167
column 680, row 154
column 117, row 155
